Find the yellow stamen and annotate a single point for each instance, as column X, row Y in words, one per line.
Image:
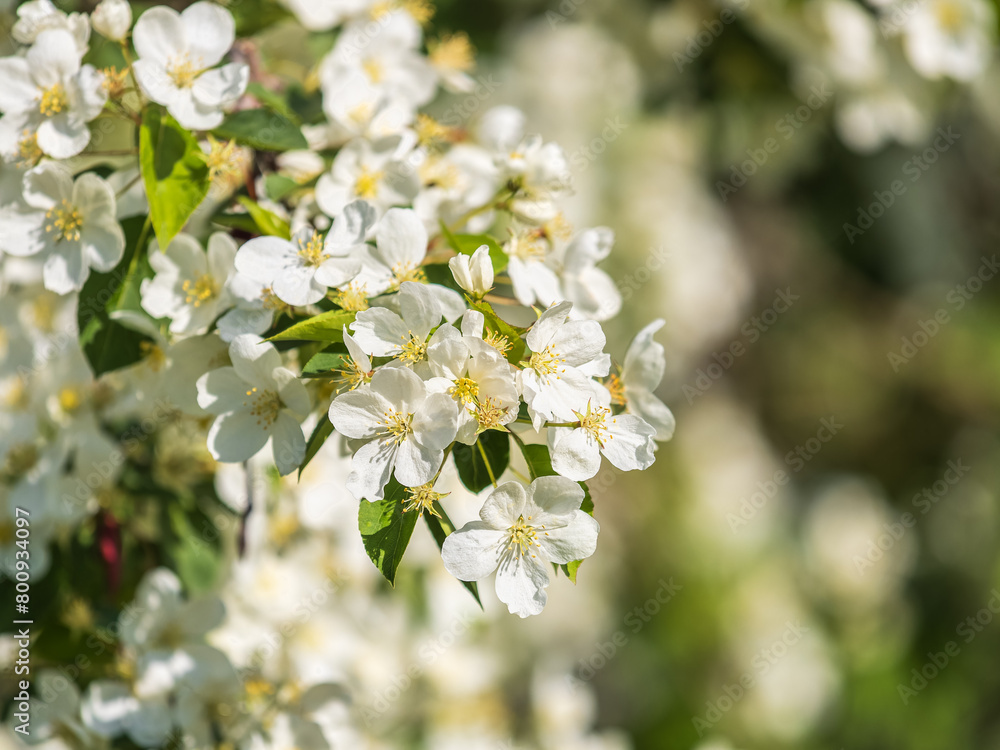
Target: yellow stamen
column 28, row 151
column 65, row 221
column 617, row 389
column 265, row 405
column 412, row 349
column 452, row 52
column 545, row 362
column 367, row 184
column 182, row 71
column 200, row 290
column 312, row 250
column 423, row 498
column 398, row 425
column 593, row 423
column 522, row 537
column 354, row 297
column 53, row 100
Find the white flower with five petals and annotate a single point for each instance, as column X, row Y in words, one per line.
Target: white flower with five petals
column 640, row 375
column 255, row 400
column 48, row 98
column 521, row 530
column 406, row 427
column 177, row 55
column 190, row 284
column 70, row 222
column 625, row 440
column 299, row 271
column 565, row 354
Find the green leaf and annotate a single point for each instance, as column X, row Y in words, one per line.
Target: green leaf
column 272, row 100
column 197, row 562
column 107, row 344
column 320, row 433
column 538, row 460
column 243, row 222
column 440, row 529
column 326, row 326
column 278, row 186
column 266, row 221
column 467, row 244
column 496, row 325
column 327, row 363
column 174, row 173
column 472, row 469
column 262, row 129
column 386, row 529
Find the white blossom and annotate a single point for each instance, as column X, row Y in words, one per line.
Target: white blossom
column 520, row 532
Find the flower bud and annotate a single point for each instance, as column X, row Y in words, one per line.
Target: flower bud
column 112, row 19
column 473, row 273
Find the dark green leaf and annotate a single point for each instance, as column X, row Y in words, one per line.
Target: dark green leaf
column 472, row 469
column 440, row 529
column 326, row 326
column 267, row 222
column 327, row 363
column 262, row 129
column 272, row 100
column 278, row 186
column 243, row 222
column 174, row 173
column 108, row 344
column 386, row 529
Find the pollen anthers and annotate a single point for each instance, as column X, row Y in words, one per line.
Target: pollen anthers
column 182, row 70
column 199, row 290
column 407, row 272
column 452, row 52
column 465, row 390
column 153, row 355
column 64, row 221
column 29, row 153
column 311, row 251
column 523, row 536
column 616, row 388
column 593, row 423
column 222, row 159
column 53, row 100
column 354, row 375
column 489, row 413
column 270, row 299
column 422, row 11
column 527, row 246
column 423, row 498
column 366, row 184
column 265, row 405
column 398, row 425
column 412, row 349
column 499, row 342
column 546, row 361
column 354, row 297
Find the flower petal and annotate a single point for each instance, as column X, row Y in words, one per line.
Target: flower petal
column 473, row 552
column 236, row 436
column 521, row 583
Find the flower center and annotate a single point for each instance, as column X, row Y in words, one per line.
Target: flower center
column 398, row 425
column 366, row 185
column 452, row 52
column 522, row 537
column 420, row 10
column 265, row 405
column 412, row 350
column 182, row 71
column 20, row 459
column 222, row 159
column 950, row 15
column 499, row 342
column 28, row 151
column 593, row 423
column 52, row 100
column 271, row 300
column 354, row 297
column 200, row 291
column 374, row 70
column 407, row 272
column 489, row 413
column 422, row 499
column 545, row 362
column 526, row 247
column 69, row 399
column 153, row 354
column 616, row 387
column 312, row 251
column 465, row 390
column 64, row 221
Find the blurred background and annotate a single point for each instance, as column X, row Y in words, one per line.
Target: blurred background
column 802, row 191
